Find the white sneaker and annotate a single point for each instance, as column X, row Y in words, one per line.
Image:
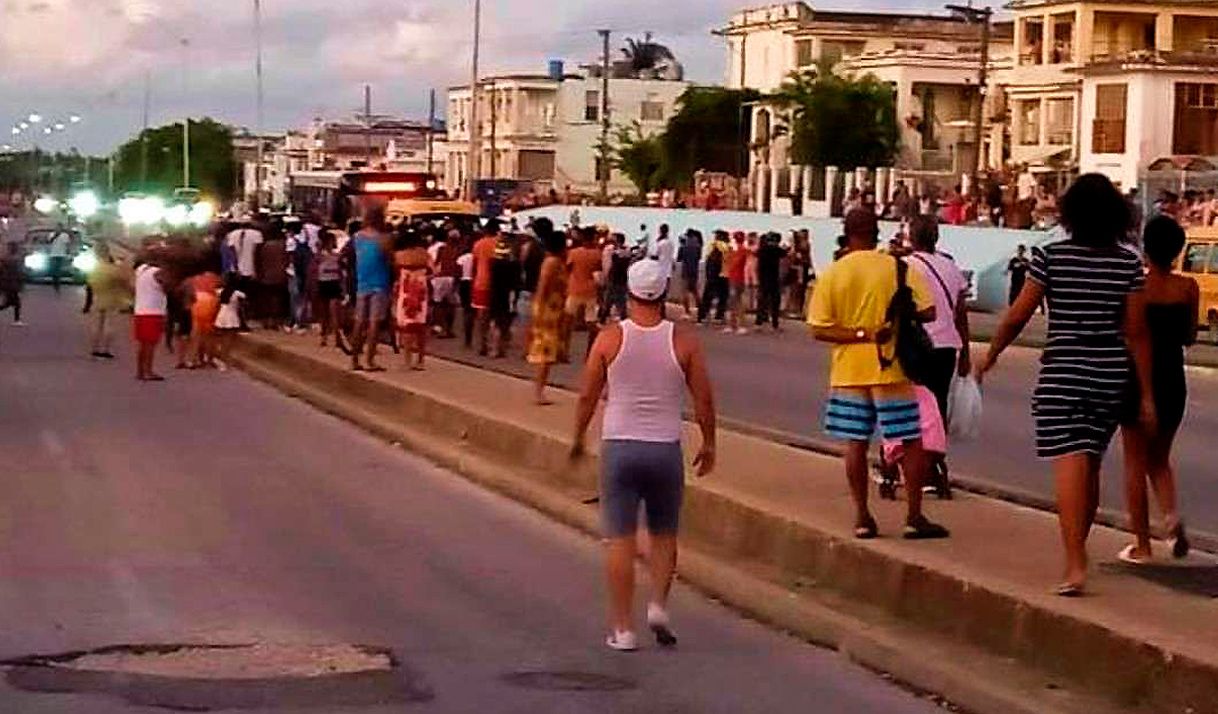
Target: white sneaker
column 18, row 323
column 623, row 641
column 657, row 620
column 728, row 330
column 742, row 331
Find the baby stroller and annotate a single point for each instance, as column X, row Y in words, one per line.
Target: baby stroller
column 890, row 471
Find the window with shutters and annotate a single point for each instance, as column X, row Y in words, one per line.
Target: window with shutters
column 1196, row 120
column 592, row 106
column 1108, row 128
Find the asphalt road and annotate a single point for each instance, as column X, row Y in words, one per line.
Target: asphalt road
column 211, row 509
column 779, row 382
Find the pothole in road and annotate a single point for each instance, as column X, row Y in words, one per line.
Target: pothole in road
column 208, row 677
column 568, row 681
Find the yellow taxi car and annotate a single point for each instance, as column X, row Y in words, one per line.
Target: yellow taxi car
column 1200, row 262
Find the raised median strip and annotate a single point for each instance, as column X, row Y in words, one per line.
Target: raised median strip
column 971, row 619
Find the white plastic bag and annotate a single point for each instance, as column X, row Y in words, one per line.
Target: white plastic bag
column 964, row 409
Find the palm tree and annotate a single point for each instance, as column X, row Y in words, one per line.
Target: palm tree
column 646, row 55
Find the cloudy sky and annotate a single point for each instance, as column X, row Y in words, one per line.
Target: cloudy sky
column 91, row 57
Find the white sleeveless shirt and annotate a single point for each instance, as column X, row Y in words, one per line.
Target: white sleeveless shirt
column 646, row 387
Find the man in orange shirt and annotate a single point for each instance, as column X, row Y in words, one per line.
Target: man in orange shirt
column 584, row 267
column 484, row 254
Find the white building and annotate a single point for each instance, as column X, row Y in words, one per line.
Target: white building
column 545, row 128
column 931, row 61
column 1112, row 85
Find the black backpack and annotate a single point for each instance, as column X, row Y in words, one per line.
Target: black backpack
column 914, row 349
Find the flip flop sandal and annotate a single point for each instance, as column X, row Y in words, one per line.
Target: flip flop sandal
column 1069, row 590
column 1127, row 556
column 1178, row 542
column 923, row 529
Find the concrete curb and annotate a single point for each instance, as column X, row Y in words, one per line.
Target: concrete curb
column 752, row 559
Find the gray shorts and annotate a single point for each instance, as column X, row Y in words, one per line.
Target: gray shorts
column 371, row 307
column 634, row 472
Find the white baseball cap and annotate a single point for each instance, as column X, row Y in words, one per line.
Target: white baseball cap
column 647, row 280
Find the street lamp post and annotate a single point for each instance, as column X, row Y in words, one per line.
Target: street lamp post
column 258, row 130
column 475, row 132
column 186, row 119
column 984, row 16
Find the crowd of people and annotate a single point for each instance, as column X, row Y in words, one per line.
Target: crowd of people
column 1119, row 320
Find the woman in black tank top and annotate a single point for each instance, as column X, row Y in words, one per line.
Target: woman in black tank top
column 1172, row 311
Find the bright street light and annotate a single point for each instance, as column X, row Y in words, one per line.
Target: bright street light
column 24, row 125
column 16, row 131
column 75, row 119
column 84, row 204
column 46, row 130
column 59, row 127
column 45, row 204
column 35, row 118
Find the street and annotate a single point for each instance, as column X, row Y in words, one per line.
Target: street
column 779, row 383
column 211, row 509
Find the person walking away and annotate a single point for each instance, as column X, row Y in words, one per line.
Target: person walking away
column 300, row 258
column 505, row 283
column 737, row 278
column 716, row 289
column 1095, row 289
column 646, row 363
column 228, row 318
column 273, row 264
column 111, row 291
column 151, row 307
column 12, row 281
column 616, row 265
column 1172, row 303
column 689, row 259
column 752, row 244
column 1017, row 268
column 444, row 282
column 205, row 307
column 770, row 257
column 329, row 267
column 584, row 266
column 949, row 332
column 664, row 251
column 465, row 290
column 411, row 298
column 480, row 300
column 57, row 255
column 549, row 308
column 373, row 279
column 868, row 388
column 242, row 244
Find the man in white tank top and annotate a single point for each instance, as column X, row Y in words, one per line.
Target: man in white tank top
column 647, row 364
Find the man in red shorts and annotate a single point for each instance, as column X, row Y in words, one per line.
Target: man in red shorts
column 150, row 308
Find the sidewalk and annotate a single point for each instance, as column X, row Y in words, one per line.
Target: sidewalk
column 1146, row 638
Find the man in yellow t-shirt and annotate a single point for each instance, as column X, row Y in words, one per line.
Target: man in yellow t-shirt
column 849, row 309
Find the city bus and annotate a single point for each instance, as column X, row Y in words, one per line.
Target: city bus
column 339, row 196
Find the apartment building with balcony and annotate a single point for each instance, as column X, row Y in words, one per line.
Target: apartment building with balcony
column 1112, row 85
column 545, row 128
column 931, row 62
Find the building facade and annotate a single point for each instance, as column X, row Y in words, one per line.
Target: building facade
column 1110, row 85
column 932, row 63
column 545, row 128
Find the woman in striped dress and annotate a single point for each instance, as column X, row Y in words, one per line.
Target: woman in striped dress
column 1098, row 342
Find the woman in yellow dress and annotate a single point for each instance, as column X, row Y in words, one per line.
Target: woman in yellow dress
column 549, row 306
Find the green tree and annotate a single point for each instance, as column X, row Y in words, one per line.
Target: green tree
column 639, row 156
column 212, row 167
column 708, row 132
column 840, row 121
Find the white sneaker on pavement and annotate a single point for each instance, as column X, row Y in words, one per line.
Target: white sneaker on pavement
column 18, row 323
column 742, row 331
column 661, row 626
column 623, row 641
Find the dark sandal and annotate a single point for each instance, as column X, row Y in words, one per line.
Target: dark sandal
column 923, row 529
column 867, row 530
